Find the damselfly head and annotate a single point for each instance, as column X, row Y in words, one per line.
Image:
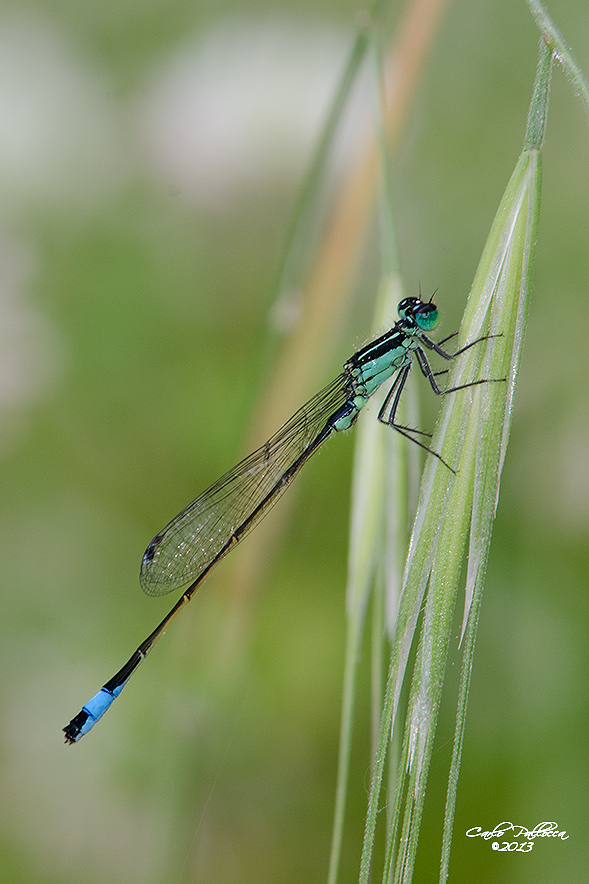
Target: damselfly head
column 425, row 315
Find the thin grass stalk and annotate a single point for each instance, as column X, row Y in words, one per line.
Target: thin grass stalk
column 561, row 51
column 303, row 232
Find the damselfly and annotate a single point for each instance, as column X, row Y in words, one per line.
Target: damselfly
column 187, row 549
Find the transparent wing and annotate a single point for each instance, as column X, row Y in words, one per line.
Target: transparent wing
column 202, row 532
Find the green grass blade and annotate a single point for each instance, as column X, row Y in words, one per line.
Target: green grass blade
column 515, row 286
column 471, row 434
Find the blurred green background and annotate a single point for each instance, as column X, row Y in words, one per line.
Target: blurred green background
column 150, row 156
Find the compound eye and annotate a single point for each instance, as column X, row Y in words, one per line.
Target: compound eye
column 406, row 307
column 427, row 316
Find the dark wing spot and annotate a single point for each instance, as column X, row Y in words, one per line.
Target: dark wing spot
column 150, row 551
